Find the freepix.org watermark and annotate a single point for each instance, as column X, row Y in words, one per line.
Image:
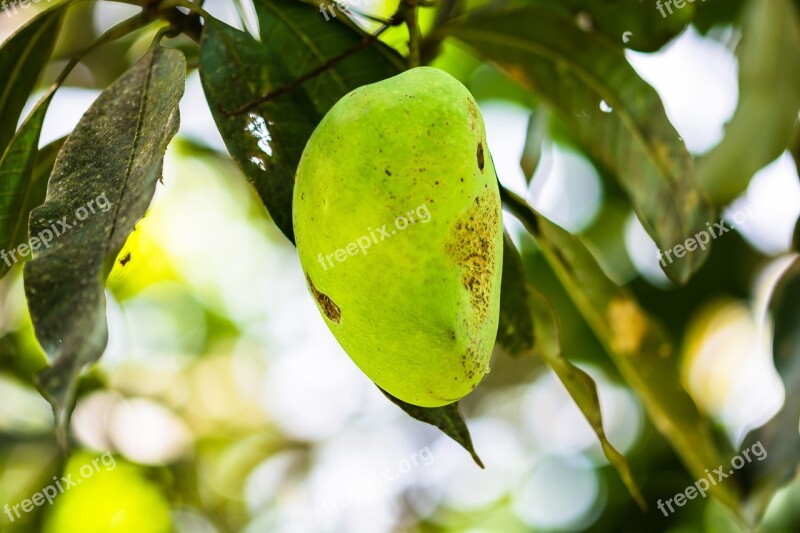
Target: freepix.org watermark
column 375, row 236
column 701, row 239
column 679, row 4
column 59, row 486
column 11, row 8
column 423, row 457
column 56, row 229
column 702, row 485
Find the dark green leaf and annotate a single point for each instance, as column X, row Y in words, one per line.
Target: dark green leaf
column 633, row 340
column 769, row 100
column 534, row 138
column 618, row 117
column 22, row 59
column 780, row 437
column 578, row 383
column 268, row 140
column 105, row 174
column 20, row 192
column 515, row 334
column 447, row 418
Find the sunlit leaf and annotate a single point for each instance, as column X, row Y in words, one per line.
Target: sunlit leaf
column 105, row 175
column 618, row 117
column 20, row 190
column 634, row 341
column 447, row 418
column 267, row 140
column 769, row 100
column 22, row 59
column 780, row 437
column 579, row 384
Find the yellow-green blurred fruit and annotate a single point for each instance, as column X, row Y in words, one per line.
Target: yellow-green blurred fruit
column 398, row 225
column 106, row 497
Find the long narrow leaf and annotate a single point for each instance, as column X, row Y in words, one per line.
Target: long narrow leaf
column 102, row 184
column 618, row 117
column 22, row 59
column 635, row 343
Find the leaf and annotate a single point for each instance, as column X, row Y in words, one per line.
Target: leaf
column 534, row 139
column 618, row 117
column 515, row 333
column 633, row 340
column 579, row 384
column 19, row 191
column 115, row 155
column 780, row 437
column 267, row 141
column 447, row 418
column 22, row 59
column 769, row 100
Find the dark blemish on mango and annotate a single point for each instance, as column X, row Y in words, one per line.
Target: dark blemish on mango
column 471, row 245
column 328, row 306
column 387, row 172
column 480, row 156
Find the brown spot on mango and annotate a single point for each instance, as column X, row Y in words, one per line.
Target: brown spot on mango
column 328, row 306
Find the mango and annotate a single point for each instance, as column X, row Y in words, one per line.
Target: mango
column 398, row 226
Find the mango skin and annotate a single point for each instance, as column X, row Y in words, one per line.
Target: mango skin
column 418, row 310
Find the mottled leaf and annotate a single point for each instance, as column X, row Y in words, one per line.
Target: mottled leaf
column 579, row 384
column 515, row 333
column 22, row 58
column 447, row 418
column 102, row 184
column 618, row 117
column 634, row 341
column 267, row 140
column 769, row 100
column 780, row 437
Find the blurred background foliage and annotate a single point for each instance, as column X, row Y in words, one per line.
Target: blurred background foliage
column 229, row 406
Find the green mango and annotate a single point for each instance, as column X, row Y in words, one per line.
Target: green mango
column 398, row 225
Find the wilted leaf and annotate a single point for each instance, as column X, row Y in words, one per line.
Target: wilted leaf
column 769, row 100
column 447, row 418
column 515, row 333
column 22, row 59
column 105, row 174
column 579, row 384
column 268, row 140
column 635, row 343
column 618, row 117
column 780, row 437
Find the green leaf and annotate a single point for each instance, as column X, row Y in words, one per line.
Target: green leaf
column 769, row 100
column 515, row 333
column 635, row 342
column 267, row 141
column 780, row 437
column 629, row 23
column 617, row 116
column 106, row 175
column 579, row 384
column 20, row 192
column 22, row 59
column 447, row 418
column 534, row 139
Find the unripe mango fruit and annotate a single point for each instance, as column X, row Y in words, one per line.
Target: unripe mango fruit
column 398, row 225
